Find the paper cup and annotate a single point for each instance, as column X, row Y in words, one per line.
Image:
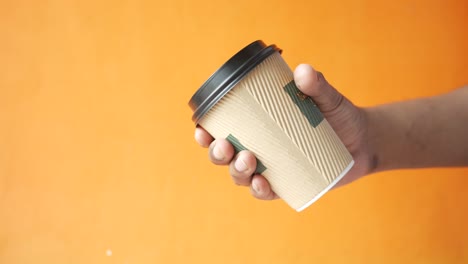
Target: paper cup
column 252, row 101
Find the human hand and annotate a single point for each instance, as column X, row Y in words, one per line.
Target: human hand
column 348, row 121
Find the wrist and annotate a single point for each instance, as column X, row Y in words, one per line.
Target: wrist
column 375, row 139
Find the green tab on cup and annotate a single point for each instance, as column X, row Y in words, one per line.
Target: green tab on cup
column 239, row 147
column 308, row 108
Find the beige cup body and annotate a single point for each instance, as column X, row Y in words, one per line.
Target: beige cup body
column 300, row 154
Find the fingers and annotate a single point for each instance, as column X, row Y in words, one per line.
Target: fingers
column 314, row 84
column 260, row 188
column 242, row 168
column 221, row 152
column 202, row 137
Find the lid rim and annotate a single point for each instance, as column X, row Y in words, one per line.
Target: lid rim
column 227, row 76
column 208, row 81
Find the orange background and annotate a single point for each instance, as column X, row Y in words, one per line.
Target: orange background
column 97, row 158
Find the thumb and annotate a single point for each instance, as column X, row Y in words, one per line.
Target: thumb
column 313, row 84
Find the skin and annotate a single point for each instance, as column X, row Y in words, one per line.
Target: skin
column 421, row 133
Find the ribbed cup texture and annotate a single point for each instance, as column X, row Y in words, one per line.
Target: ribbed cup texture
column 301, row 160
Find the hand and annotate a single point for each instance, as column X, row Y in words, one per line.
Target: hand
column 348, row 121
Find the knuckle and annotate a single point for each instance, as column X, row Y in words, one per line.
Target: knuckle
column 337, row 102
column 239, row 178
column 240, row 181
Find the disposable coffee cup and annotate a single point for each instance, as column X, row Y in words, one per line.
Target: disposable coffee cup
column 253, row 102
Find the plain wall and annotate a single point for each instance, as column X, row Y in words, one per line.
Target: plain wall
column 98, row 162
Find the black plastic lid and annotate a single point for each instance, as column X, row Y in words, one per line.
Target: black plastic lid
column 226, row 77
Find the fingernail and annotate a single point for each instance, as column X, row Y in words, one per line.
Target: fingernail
column 298, row 84
column 197, row 136
column 255, row 187
column 217, row 153
column 240, row 165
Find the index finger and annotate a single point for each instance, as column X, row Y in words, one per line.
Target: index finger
column 202, row 137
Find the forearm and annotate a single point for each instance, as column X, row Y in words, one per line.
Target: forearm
column 428, row 132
